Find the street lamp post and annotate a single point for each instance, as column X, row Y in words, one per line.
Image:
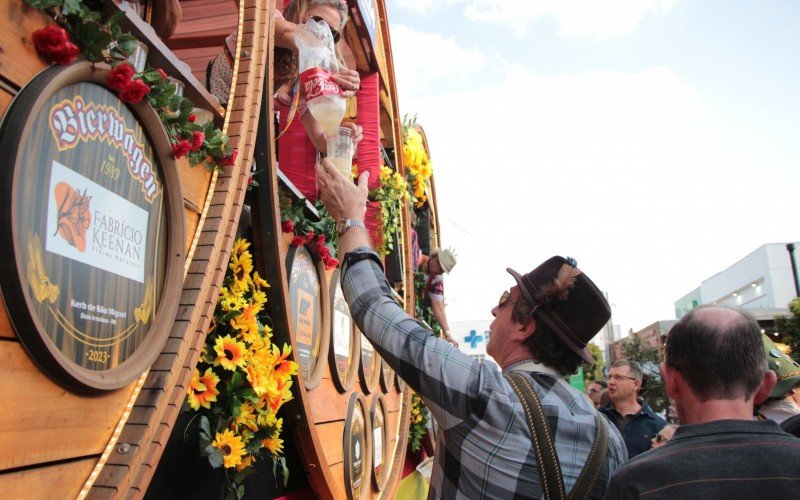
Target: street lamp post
column 790, row 248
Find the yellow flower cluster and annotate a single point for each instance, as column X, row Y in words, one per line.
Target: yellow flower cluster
column 418, row 421
column 417, row 163
column 240, row 360
column 392, row 195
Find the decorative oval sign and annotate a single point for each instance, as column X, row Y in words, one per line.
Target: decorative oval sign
column 345, row 345
column 90, row 232
column 306, row 305
column 380, row 443
column 356, row 441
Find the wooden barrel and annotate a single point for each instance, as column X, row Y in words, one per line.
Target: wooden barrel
column 58, row 439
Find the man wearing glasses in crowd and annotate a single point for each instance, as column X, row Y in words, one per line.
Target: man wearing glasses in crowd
column 634, row 418
column 538, row 337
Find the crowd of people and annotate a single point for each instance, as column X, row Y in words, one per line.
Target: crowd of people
column 524, row 432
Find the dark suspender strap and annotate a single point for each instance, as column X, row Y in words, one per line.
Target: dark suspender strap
column 546, row 457
column 594, row 462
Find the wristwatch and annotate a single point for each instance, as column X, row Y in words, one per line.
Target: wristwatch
column 342, row 225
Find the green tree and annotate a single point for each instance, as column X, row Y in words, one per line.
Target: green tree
column 790, row 326
column 648, row 358
column 592, row 373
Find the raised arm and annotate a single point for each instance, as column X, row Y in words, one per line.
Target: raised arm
column 441, row 374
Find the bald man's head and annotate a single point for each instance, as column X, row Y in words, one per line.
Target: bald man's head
column 718, row 352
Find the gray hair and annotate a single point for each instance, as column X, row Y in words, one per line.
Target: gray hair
column 340, row 5
column 635, row 370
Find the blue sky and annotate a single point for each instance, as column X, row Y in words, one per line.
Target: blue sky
column 656, row 141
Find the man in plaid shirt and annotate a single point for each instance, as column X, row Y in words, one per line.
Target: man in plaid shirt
column 541, row 329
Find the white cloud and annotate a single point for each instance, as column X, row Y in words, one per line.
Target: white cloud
column 426, row 61
column 601, row 18
column 422, row 6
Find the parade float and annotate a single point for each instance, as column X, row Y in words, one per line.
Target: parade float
column 154, row 250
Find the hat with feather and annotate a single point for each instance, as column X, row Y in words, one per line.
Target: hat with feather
column 567, row 301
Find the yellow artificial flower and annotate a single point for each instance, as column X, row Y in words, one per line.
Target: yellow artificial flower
column 241, row 245
column 202, row 389
column 231, row 446
column 274, row 444
column 246, row 324
column 284, row 367
column 247, row 417
column 246, row 462
column 241, row 266
column 231, row 301
column 259, row 282
column 230, row 353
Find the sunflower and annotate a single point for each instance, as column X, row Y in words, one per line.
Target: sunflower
column 241, row 266
column 259, row 282
column 246, row 324
column 202, row 389
column 258, row 378
column 247, row 417
column 284, row 367
column 230, row 353
column 231, row 301
column 240, row 246
column 247, row 461
column 231, row 446
column 274, row 444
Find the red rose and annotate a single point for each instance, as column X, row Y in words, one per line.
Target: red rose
column 54, row 43
column 310, row 237
column 298, row 241
column 321, row 239
column 66, row 55
column 134, row 92
column 249, row 182
column 197, row 140
column 192, row 118
column 227, row 161
column 287, row 226
column 119, row 77
column 181, row 148
column 162, row 73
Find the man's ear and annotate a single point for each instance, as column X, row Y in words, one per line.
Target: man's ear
column 767, row 383
column 669, row 375
column 526, row 331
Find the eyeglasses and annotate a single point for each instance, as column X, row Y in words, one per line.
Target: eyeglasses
column 505, row 297
column 334, row 33
column 614, row 378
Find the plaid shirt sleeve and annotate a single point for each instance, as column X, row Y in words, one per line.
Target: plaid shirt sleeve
column 485, row 448
column 445, row 377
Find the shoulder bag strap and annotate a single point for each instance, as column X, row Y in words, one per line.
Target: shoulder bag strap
column 546, row 458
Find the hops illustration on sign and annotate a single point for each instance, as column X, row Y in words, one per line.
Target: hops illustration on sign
column 73, row 215
column 43, row 288
column 142, row 313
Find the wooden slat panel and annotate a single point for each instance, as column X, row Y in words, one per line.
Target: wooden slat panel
column 42, row 422
column 326, row 402
column 55, row 481
column 195, row 181
column 330, row 437
column 191, row 220
column 5, row 100
column 6, row 330
column 19, row 61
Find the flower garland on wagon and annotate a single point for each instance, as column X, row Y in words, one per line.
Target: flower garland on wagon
column 241, row 379
column 80, row 30
column 416, row 161
column 392, row 195
column 319, row 236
